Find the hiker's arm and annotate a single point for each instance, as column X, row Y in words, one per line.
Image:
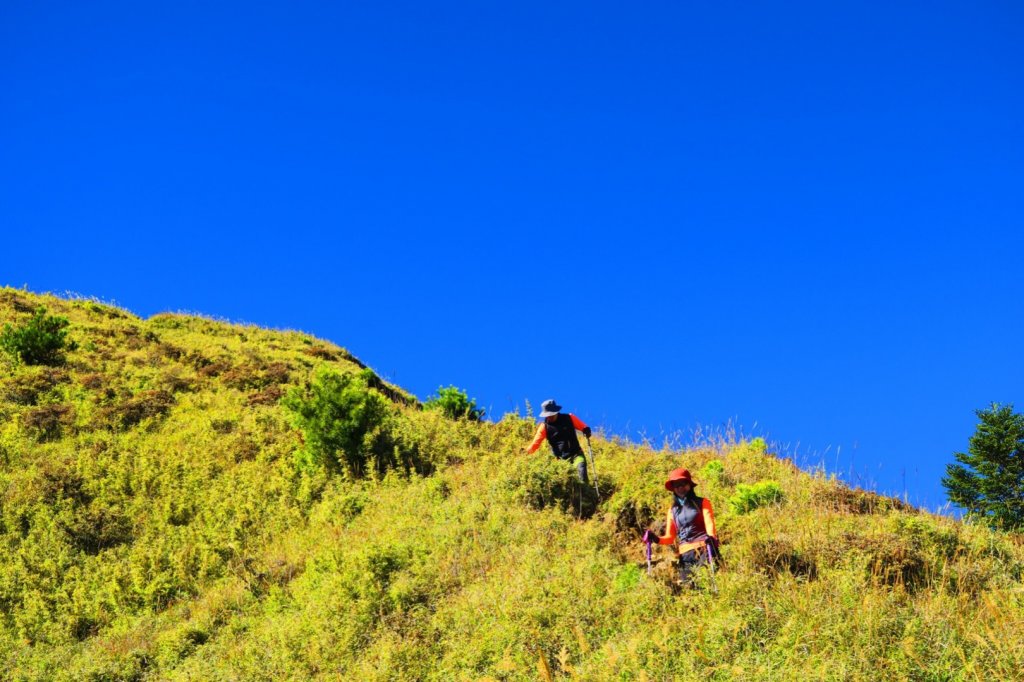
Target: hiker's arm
column 580, row 426
column 539, row 438
column 709, row 519
column 670, row 529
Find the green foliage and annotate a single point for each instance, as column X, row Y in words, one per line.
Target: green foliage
column 168, row 536
column 628, row 577
column 40, row 341
column 989, row 480
column 749, row 497
column 455, row 404
column 713, row 470
column 339, row 416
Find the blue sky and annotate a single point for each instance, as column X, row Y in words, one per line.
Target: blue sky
column 802, row 217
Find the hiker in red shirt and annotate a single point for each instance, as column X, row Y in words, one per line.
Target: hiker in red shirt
column 690, row 524
column 560, row 432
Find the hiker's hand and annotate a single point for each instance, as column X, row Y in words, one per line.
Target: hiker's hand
column 651, row 537
column 586, row 431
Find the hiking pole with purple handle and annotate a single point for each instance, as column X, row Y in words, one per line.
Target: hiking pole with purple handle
column 648, row 557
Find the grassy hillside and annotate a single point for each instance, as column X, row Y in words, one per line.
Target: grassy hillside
column 159, row 521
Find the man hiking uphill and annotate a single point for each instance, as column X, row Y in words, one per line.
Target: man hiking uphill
column 560, row 432
column 690, row 524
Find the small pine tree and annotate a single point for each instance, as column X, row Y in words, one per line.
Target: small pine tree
column 37, row 342
column 338, row 414
column 989, row 480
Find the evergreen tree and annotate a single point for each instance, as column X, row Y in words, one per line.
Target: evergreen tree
column 989, row 480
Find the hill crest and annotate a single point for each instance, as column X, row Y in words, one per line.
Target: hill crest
column 158, row 526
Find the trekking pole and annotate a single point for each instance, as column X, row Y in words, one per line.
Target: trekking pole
column 648, row 557
column 711, row 565
column 593, row 467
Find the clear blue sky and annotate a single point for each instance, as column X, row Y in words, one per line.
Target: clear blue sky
column 804, row 217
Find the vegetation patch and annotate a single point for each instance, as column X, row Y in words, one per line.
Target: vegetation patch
column 543, row 482
column 321, row 353
column 401, row 544
column 29, row 387
column 48, row 422
column 96, row 527
column 747, row 498
column 145, row 405
column 897, row 564
column 778, row 555
column 256, row 376
column 341, row 419
column 454, row 403
column 843, row 500
column 39, row 341
column 268, row 396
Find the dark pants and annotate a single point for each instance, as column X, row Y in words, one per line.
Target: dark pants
column 695, row 558
column 580, row 462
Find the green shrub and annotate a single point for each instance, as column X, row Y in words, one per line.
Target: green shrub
column 37, row 342
column 627, row 578
column 339, row 416
column 749, row 497
column 713, row 470
column 454, row 403
column 543, row 482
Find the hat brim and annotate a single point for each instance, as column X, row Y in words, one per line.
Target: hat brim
column 668, row 483
column 548, row 414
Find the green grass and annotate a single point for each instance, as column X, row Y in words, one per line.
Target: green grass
column 158, row 523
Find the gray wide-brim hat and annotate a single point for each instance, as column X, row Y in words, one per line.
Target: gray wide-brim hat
column 549, row 408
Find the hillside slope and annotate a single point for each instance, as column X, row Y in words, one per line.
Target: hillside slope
column 157, row 523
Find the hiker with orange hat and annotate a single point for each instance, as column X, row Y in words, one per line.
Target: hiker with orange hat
column 560, row 432
column 690, row 524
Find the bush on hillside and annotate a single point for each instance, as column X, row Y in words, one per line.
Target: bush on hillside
column 144, row 405
column 40, row 341
column 749, row 497
column 777, row 555
column 48, row 422
column 256, row 375
column 339, row 416
column 454, row 403
column 542, row 482
column 30, row 387
column 713, row 470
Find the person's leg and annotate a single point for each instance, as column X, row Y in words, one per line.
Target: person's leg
column 688, row 562
column 581, row 468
